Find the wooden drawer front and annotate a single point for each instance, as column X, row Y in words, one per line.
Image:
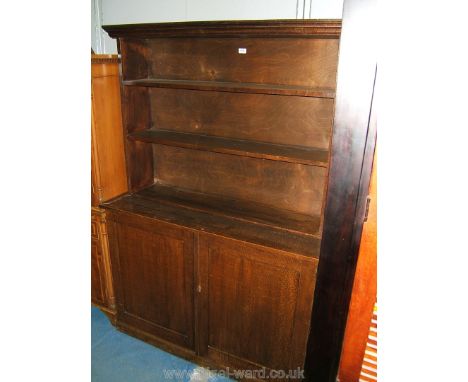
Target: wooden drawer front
column 153, row 270
column 258, row 304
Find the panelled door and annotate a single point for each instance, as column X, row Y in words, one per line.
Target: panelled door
column 154, row 272
column 255, row 304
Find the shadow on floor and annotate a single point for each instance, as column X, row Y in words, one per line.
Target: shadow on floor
column 117, row 357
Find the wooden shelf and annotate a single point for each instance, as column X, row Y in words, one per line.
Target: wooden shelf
column 235, row 87
column 263, row 150
column 237, row 209
column 242, row 220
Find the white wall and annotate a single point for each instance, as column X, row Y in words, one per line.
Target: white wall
column 106, row 12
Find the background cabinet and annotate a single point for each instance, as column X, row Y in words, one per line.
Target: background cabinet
column 108, row 174
column 102, row 290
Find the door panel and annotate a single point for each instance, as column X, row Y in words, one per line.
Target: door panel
column 97, row 282
column 155, row 272
column 256, row 304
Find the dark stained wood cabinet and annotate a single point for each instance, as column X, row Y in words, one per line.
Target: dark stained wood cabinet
column 216, row 248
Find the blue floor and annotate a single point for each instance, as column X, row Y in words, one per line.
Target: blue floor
column 117, row 357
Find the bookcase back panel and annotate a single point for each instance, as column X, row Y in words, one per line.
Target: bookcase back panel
column 134, row 54
column 137, row 115
column 301, row 121
column 288, row 186
column 303, row 61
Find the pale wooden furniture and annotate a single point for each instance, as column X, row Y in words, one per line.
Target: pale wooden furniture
column 108, row 173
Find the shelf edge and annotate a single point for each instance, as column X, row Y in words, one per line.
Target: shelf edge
column 142, row 136
column 232, row 87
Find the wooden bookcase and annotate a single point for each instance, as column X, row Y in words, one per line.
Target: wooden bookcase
column 216, row 247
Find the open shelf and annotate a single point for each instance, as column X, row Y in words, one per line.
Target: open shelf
column 271, row 151
column 235, row 87
column 242, row 220
column 237, row 209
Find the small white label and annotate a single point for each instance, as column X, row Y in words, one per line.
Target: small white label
column 242, row 50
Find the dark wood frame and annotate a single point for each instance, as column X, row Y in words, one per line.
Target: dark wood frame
column 353, row 144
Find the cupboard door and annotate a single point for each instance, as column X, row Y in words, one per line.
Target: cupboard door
column 98, row 273
column 97, row 282
column 102, row 290
column 255, row 304
column 153, row 273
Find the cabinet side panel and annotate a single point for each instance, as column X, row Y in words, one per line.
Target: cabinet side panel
column 301, row 121
column 134, row 53
column 108, row 144
column 353, row 141
column 283, row 185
